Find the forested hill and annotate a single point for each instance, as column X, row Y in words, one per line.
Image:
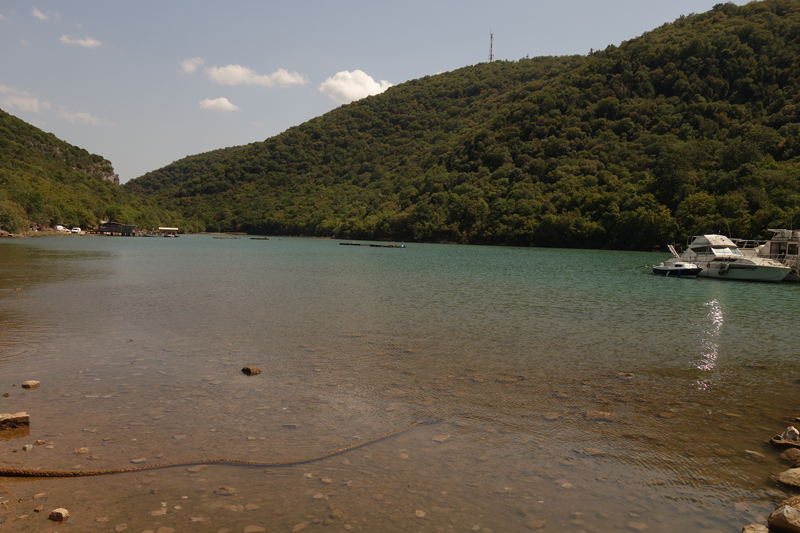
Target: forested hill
column 48, row 181
column 693, row 127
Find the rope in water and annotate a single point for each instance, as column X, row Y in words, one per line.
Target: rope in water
column 30, row 472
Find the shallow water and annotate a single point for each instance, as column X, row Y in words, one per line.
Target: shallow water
column 513, row 354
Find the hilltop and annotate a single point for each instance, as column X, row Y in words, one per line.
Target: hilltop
column 47, row 181
column 692, row 127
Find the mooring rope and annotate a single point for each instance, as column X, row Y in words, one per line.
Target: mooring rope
column 30, row 472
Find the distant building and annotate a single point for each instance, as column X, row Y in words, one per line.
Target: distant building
column 115, row 228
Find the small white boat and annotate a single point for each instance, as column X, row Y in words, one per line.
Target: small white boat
column 678, row 269
column 719, row 257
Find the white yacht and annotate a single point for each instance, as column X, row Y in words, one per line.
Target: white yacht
column 782, row 247
column 719, row 257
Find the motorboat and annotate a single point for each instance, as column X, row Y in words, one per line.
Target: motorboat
column 782, row 247
column 719, row 257
column 678, row 269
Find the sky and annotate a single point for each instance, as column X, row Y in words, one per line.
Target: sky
column 146, row 83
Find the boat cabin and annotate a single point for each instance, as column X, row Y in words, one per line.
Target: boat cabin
column 718, row 246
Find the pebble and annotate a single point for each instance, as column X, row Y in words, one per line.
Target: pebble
column 57, row 515
column 440, row 438
column 420, row 514
column 318, row 496
column 81, row 451
column 27, row 447
column 637, row 526
column 165, row 530
column 196, row 469
column 160, row 512
column 325, row 480
column 121, row 527
column 225, row 491
column 298, row 527
column 30, row 384
column 599, row 415
column 139, row 460
column 251, row 507
column 101, row 519
column 196, row 519
column 253, row 529
column 251, row 370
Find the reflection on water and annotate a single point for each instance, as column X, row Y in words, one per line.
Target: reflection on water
column 709, row 341
column 558, row 382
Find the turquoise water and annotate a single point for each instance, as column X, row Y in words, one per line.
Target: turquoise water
column 511, row 353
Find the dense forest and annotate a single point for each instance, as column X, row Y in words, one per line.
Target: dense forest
column 47, row 181
column 693, row 127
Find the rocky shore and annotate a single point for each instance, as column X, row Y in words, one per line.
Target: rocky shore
column 786, row 516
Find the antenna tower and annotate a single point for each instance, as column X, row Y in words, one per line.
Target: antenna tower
column 491, row 43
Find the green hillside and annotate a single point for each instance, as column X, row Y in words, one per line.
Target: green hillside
column 693, row 127
column 46, row 181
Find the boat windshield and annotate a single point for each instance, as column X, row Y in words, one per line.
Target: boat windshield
column 725, row 250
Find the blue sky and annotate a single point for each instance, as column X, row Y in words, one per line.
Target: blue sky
column 146, row 83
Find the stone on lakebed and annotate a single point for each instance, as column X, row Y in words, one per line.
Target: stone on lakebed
column 13, row 421
column 58, row 515
column 785, row 518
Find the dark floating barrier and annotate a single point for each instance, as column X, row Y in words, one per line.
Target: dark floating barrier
column 372, row 245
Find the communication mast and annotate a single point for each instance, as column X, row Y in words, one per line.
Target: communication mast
column 491, row 43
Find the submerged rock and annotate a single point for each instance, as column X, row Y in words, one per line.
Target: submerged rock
column 790, row 433
column 792, row 455
column 14, row 421
column 785, row 519
column 794, row 501
column 789, row 477
column 58, row 515
column 599, row 416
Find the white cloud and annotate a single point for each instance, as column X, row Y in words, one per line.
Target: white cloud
column 346, row 86
column 236, row 74
column 190, row 64
column 84, row 118
column 86, row 42
column 38, row 14
column 22, row 100
column 219, row 104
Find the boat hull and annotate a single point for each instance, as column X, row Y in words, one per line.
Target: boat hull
column 745, row 272
column 676, row 272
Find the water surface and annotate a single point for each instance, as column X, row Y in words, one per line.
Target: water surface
column 564, row 386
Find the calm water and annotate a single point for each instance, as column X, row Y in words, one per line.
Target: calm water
column 512, row 354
